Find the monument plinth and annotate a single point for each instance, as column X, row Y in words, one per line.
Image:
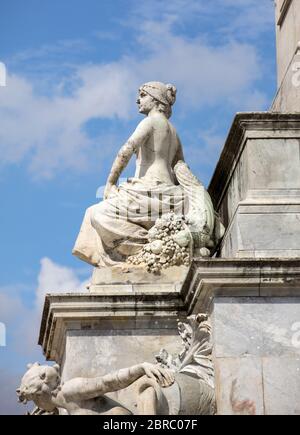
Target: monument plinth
column 137, row 279
column 256, row 306
column 288, row 56
column 253, row 304
column 256, row 187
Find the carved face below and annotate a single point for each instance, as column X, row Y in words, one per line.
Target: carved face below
column 37, row 385
column 145, row 102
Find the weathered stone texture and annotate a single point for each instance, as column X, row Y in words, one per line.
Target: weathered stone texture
column 257, row 355
column 256, row 187
column 288, row 56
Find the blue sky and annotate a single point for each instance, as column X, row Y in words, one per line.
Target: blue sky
column 73, row 72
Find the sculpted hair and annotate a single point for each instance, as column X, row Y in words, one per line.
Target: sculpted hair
column 163, row 95
column 171, row 98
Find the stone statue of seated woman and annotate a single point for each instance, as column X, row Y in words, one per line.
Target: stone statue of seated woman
column 117, row 229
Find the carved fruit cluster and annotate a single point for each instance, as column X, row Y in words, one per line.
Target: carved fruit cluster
column 169, row 244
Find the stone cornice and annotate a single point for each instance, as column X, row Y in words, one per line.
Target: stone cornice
column 95, row 311
column 283, row 11
column 246, row 125
column 205, row 280
column 239, row 278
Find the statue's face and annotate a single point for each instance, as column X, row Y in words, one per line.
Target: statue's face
column 145, row 102
column 37, row 385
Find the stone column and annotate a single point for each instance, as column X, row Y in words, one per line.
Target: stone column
column 256, row 187
column 288, row 56
column 253, row 289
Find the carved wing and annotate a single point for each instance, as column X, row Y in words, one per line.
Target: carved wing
column 196, row 357
column 201, row 210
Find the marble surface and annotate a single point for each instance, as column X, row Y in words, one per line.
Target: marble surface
column 109, row 350
column 106, row 312
column 287, row 38
column 257, row 355
column 288, row 94
column 256, row 187
column 137, row 279
column 239, row 388
column 281, row 385
column 257, row 327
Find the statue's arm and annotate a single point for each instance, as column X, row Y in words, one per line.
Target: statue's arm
column 136, row 140
column 89, row 388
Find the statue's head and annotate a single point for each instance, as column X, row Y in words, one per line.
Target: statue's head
column 156, row 94
column 38, row 384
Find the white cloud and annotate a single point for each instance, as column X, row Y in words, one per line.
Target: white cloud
column 54, row 278
column 48, row 50
column 204, row 75
column 255, row 17
column 49, row 131
column 248, row 18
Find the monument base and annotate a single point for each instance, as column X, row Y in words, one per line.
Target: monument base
column 257, row 355
column 256, row 187
column 255, row 313
column 131, row 279
column 254, row 306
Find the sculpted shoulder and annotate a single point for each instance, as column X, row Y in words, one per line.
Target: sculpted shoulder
column 159, row 122
column 146, row 125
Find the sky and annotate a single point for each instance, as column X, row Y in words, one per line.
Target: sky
column 73, row 70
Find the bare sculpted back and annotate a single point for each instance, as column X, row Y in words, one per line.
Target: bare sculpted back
column 157, row 150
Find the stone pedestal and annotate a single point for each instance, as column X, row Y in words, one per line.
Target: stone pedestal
column 288, row 56
column 257, row 355
column 255, row 311
column 137, row 280
column 77, row 329
column 287, row 34
column 92, row 335
column 288, row 95
column 256, row 187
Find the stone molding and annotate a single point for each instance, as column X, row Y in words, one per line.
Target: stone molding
column 283, row 11
column 75, row 311
column 245, row 126
column 239, row 278
column 205, row 280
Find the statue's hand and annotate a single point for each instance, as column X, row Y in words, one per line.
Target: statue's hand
column 164, row 377
column 110, row 189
